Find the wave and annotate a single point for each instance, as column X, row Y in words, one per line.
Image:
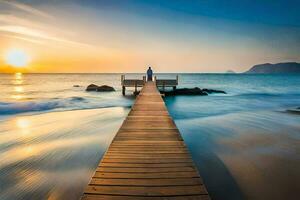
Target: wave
column 294, row 111
column 71, row 103
column 265, row 94
column 261, row 95
column 14, row 108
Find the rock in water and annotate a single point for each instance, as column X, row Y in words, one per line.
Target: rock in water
column 185, row 91
column 105, row 88
column 102, row 88
column 192, row 91
column 294, row 111
column 210, row 91
column 92, row 87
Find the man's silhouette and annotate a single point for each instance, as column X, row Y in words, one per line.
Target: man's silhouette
column 149, row 74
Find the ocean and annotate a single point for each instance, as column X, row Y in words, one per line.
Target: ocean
column 246, row 143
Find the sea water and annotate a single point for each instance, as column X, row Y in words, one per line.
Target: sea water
column 245, row 143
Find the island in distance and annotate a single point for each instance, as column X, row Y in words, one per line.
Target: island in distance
column 287, row 67
column 230, row 72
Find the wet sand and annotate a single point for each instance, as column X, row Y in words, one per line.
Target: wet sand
column 53, row 155
column 247, row 155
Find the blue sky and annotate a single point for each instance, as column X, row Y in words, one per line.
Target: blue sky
column 178, row 35
column 275, row 12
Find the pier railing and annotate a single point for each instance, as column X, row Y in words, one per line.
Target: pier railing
column 166, row 82
column 141, row 82
column 132, row 83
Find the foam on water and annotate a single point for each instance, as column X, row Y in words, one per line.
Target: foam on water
column 60, row 104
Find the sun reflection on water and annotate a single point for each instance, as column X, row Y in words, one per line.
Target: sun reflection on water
column 17, row 97
column 18, row 75
column 18, row 89
column 18, row 79
column 29, row 150
column 23, row 123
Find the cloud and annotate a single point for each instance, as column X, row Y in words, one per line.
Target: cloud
column 24, row 38
column 32, row 29
column 28, row 9
column 38, row 34
column 10, row 19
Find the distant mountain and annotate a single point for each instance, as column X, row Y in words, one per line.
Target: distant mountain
column 288, row 67
column 230, row 72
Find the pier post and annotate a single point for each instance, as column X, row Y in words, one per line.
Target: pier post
column 122, row 83
column 135, row 88
column 122, row 78
column 174, row 87
column 123, row 90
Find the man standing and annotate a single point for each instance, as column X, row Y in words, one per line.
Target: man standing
column 149, row 74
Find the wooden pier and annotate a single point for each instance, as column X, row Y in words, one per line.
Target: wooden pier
column 147, row 159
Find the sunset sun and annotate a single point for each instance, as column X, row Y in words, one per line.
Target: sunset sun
column 17, row 58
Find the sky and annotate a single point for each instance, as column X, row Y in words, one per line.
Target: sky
column 100, row 36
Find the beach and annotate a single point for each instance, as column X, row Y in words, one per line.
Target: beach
column 245, row 143
column 53, row 155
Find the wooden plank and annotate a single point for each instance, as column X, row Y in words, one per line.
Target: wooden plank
column 170, row 124
column 145, row 170
column 137, row 142
column 150, row 132
column 192, row 174
column 148, row 165
column 147, row 136
column 149, row 127
column 148, row 107
column 135, row 136
column 124, row 197
column 150, row 151
column 149, row 99
column 147, row 158
column 141, row 146
column 148, row 113
column 147, row 191
column 149, row 118
column 146, row 182
column 147, row 147
column 145, row 153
